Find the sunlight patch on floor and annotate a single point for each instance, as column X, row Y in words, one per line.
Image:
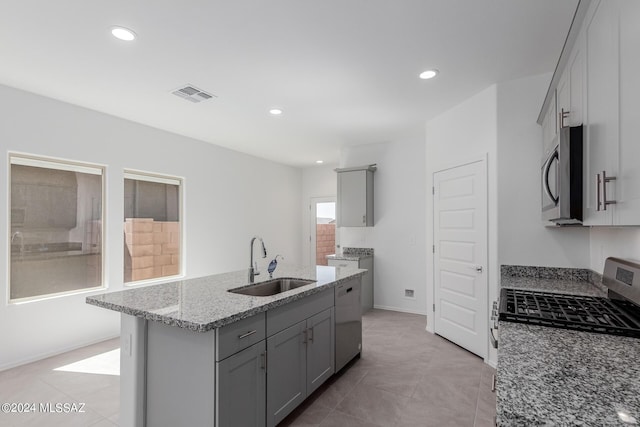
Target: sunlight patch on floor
column 107, row 363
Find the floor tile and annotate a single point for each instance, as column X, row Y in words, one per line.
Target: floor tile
column 405, row 377
column 373, row 405
column 338, row 419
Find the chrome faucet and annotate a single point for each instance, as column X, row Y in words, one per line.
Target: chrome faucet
column 254, row 271
column 18, row 234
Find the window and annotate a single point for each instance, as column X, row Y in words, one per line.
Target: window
column 152, row 226
column 56, row 241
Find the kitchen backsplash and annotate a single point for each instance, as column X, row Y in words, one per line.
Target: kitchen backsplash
column 577, row 274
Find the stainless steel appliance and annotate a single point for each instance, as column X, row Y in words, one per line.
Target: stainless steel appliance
column 562, row 179
column 348, row 322
column 619, row 314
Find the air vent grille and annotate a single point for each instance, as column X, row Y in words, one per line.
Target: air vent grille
column 192, row 93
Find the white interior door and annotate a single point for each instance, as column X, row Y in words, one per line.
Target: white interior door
column 460, row 258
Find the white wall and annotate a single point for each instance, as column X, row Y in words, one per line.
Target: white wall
column 398, row 235
column 522, row 239
column 465, row 133
column 318, row 181
column 622, row 242
column 229, row 197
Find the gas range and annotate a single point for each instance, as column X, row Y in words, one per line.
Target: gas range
column 619, row 314
column 582, row 313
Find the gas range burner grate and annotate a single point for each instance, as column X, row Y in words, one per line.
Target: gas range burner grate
column 583, row 313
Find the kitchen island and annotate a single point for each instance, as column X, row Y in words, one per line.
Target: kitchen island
column 193, row 353
column 559, row 377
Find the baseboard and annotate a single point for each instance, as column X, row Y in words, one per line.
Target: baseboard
column 46, row 355
column 491, row 363
column 401, row 310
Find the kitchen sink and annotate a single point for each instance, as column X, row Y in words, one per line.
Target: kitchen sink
column 271, row 287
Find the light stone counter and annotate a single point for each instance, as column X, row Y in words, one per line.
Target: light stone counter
column 204, row 303
column 558, row 377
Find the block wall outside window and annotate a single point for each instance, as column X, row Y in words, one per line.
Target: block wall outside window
column 325, row 242
column 56, row 212
column 152, row 227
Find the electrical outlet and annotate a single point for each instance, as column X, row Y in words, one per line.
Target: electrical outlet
column 408, row 293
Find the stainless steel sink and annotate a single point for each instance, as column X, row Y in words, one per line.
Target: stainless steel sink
column 271, row 287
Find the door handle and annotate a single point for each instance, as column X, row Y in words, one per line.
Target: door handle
column 477, row 268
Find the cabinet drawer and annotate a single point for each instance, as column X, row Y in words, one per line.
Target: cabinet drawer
column 240, row 335
column 286, row 315
column 343, row 263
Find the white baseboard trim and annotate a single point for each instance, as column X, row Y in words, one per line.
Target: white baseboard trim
column 55, row 352
column 491, row 363
column 401, row 310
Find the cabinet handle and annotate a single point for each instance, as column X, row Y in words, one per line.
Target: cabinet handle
column 598, row 201
column 263, row 356
column 310, row 335
column 563, row 115
column 364, row 219
column 304, row 340
column 247, row 334
column 493, row 383
column 606, row 179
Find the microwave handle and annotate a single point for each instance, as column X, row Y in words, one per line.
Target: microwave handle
column 545, row 176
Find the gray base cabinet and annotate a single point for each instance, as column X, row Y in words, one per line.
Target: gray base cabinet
column 242, row 388
column 320, row 349
column 300, row 359
column 253, row 372
column 287, row 372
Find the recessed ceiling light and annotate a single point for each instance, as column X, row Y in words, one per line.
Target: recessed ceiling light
column 429, row 74
column 123, row 33
column 319, row 162
column 275, row 111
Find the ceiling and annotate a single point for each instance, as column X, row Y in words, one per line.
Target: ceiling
column 345, row 72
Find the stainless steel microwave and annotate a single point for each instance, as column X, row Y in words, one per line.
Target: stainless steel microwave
column 562, row 179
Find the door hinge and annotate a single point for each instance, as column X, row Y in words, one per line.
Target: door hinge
column 433, row 190
column 434, row 249
column 434, row 308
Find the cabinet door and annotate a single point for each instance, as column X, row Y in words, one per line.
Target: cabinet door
column 549, row 128
column 286, row 372
column 563, row 100
column 602, row 110
column 628, row 179
column 352, row 199
column 320, row 349
column 577, row 73
column 242, row 388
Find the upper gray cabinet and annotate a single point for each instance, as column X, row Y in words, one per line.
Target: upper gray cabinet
column 597, row 84
column 355, row 196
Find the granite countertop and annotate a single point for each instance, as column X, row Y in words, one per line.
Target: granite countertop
column 203, row 304
column 558, row 377
column 352, row 254
column 348, row 257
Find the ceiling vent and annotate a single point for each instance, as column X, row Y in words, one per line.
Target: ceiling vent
column 192, row 93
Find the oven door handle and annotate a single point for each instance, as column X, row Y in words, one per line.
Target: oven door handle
column 545, row 176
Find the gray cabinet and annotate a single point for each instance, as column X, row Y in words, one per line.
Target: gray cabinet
column 355, row 197
column 287, row 372
column 300, row 358
column 320, row 349
column 242, row 388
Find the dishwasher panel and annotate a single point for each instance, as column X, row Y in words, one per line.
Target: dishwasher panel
column 348, row 321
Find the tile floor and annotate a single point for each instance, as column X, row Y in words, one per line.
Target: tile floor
column 405, row 377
